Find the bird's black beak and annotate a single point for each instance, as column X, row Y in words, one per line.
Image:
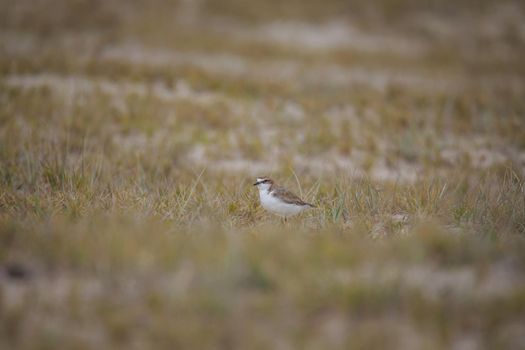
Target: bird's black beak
column 258, row 182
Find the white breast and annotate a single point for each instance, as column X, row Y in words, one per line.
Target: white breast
column 276, row 206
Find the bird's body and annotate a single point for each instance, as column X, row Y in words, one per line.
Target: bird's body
column 279, row 200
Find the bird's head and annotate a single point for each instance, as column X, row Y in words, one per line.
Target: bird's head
column 263, row 183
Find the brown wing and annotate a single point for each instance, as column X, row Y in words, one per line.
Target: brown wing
column 287, row 196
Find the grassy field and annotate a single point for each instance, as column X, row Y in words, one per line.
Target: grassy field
column 131, row 132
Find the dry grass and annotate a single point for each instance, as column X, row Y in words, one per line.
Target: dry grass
column 129, row 140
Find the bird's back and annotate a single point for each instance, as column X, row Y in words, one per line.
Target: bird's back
column 288, row 196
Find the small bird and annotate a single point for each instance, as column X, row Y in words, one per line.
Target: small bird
column 278, row 200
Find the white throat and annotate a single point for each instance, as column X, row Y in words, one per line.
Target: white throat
column 263, row 187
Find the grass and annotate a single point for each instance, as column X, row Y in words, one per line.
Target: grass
column 129, row 141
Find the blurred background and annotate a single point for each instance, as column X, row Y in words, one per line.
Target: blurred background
column 383, row 88
column 131, row 131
